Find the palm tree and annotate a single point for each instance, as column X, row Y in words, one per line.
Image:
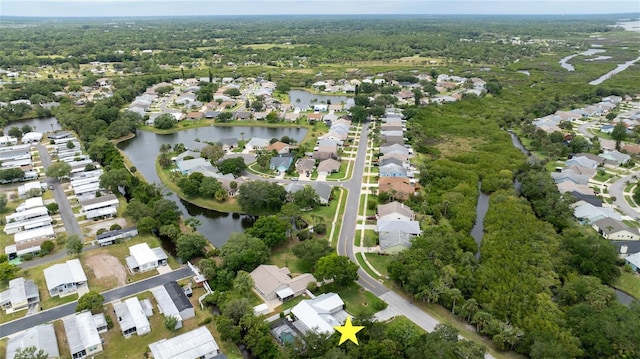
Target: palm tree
column 242, row 134
column 470, row 307
column 481, row 319
column 455, row 294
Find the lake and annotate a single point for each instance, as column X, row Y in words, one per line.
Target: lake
column 143, row 149
column 307, row 98
column 47, row 124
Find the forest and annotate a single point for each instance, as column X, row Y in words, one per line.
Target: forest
column 539, row 285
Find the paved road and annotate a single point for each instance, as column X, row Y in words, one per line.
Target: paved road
column 617, row 190
column 584, row 130
column 69, row 308
column 70, row 222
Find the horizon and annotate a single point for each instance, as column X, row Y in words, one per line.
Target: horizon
column 190, row 8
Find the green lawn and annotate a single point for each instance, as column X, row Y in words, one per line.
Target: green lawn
column 370, row 238
column 282, row 256
column 357, row 300
column 380, row 262
column 341, row 174
column 602, row 176
column 629, row 283
column 363, row 265
column 357, row 238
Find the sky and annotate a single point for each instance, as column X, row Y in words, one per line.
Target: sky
column 118, row 8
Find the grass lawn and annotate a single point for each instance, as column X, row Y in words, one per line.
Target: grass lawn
column 282, row 256
column 380, row 262
column 630, row 223
column 229, row 205
column 357, row 300
column 116, row 346
column 336, row 233
column 370, row 238
column 341, row 174
column 629, row 283
column 365, row 267
column 403, row 321
column 357, row 238
column 602, row 177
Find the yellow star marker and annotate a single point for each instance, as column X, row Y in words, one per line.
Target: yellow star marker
column 348, row 332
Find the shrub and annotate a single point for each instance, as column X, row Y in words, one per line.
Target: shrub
column 46, row 247
column 206, row 321
column 115, row 227
column 320, row 228
column 27, row 257
column 304, row 235
column 100, row 231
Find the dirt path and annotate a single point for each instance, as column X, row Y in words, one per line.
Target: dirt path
column 105, row 266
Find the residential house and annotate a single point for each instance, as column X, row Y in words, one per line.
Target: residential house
column 589, row 213
column 615, row 156
column 588, row 198
column 392, row 169
column 328, row 166
column 83, row 333
column 615, row 230
column 132, row 317
column 305, row 166
column 280, row 147
column 271, row 282
column 228, row 143
column 280, row 163
column 393, row 225
column 195, row 344
column 172, row 302
column 401, row 188
column 30, row 187
column 314, row 117
column 324, row 192
column 395, row 148
column 607, row 128
column 395, row 210
column 20, row 295
column 143, row 259
column 320, row 314
column 195, row 115
column 8, row 141
column 242, row 115
column 65, row 278
column 60, row 135
column 325, row 150
column 579, row 170
column 42, row 336
column 565, row 176
column 634, row 262
column 256, row 143
column 103, row 206
column 42, row 232
column 108, row 238
column 582, row 161
column 394, row 242
column 194, row 165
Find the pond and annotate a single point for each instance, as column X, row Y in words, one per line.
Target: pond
column 304, row 99
column 47, row 124
column 143, row 149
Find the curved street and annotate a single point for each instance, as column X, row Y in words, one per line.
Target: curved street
column 617, row 190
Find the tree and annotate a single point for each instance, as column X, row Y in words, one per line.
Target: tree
column 619, row 133
column 579, row 144
column 7, row 271
column 59, row 170
column 30, row 352
column 283, row 87
column 212, row 152
column 243, row 252
column 232, row 92
column 74, row 245
column 164, row 121
column 243, row 283
column 46, row 247
column 171, row 322
column 271, row 229
column 190, row 245
column 70, row 145
column 146, row 225
column 590, row 254
column 261, row 197
column 116, row 178
column 311, row 250
column 14, row 132
column 233, row 165
column 26, row 129
column 339, row 268
column 90, row 301
column 358, row 113
column 3, row 201
column 52, row 207
column 306, row 198
column 164, row 160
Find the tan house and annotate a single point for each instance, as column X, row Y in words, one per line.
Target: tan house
column 400, row 187
column 279, row 147
column 272, row 282
column 395, row 210
column 328, row 166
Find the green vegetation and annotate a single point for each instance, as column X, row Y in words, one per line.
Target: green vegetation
column 628, row 283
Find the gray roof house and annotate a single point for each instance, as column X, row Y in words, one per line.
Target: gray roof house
column 195, row 344
column 132, row 317
column 43, row 337
column 305, row 165
column 589, row 213
column 111, row 237
column 65, row 278
column 583, row 161
column 565, row 176
column 83, row 333
column 397, row 148
column 392, row 225
column 328, row 166
column 173, row 302
column 257, row 143
column 280, row 163
column 323, row 190
column 394, row 242
column 615, row 230
column 20, row 295
column 393, row 170
column 615, row 156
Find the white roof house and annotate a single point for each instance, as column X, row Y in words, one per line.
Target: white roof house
column 100, row 206
column 82, row 334
column 32, row 137
column 20, row 295
column 34, row 234
column 43, row 337
column 195, row 344
column 143, row 258
column 320, row 314
column 27, row 214
column 590, row 213
column 257, row 143
column 23, row 189
column 132, row 317
column 64, row 278
column 392, row 225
